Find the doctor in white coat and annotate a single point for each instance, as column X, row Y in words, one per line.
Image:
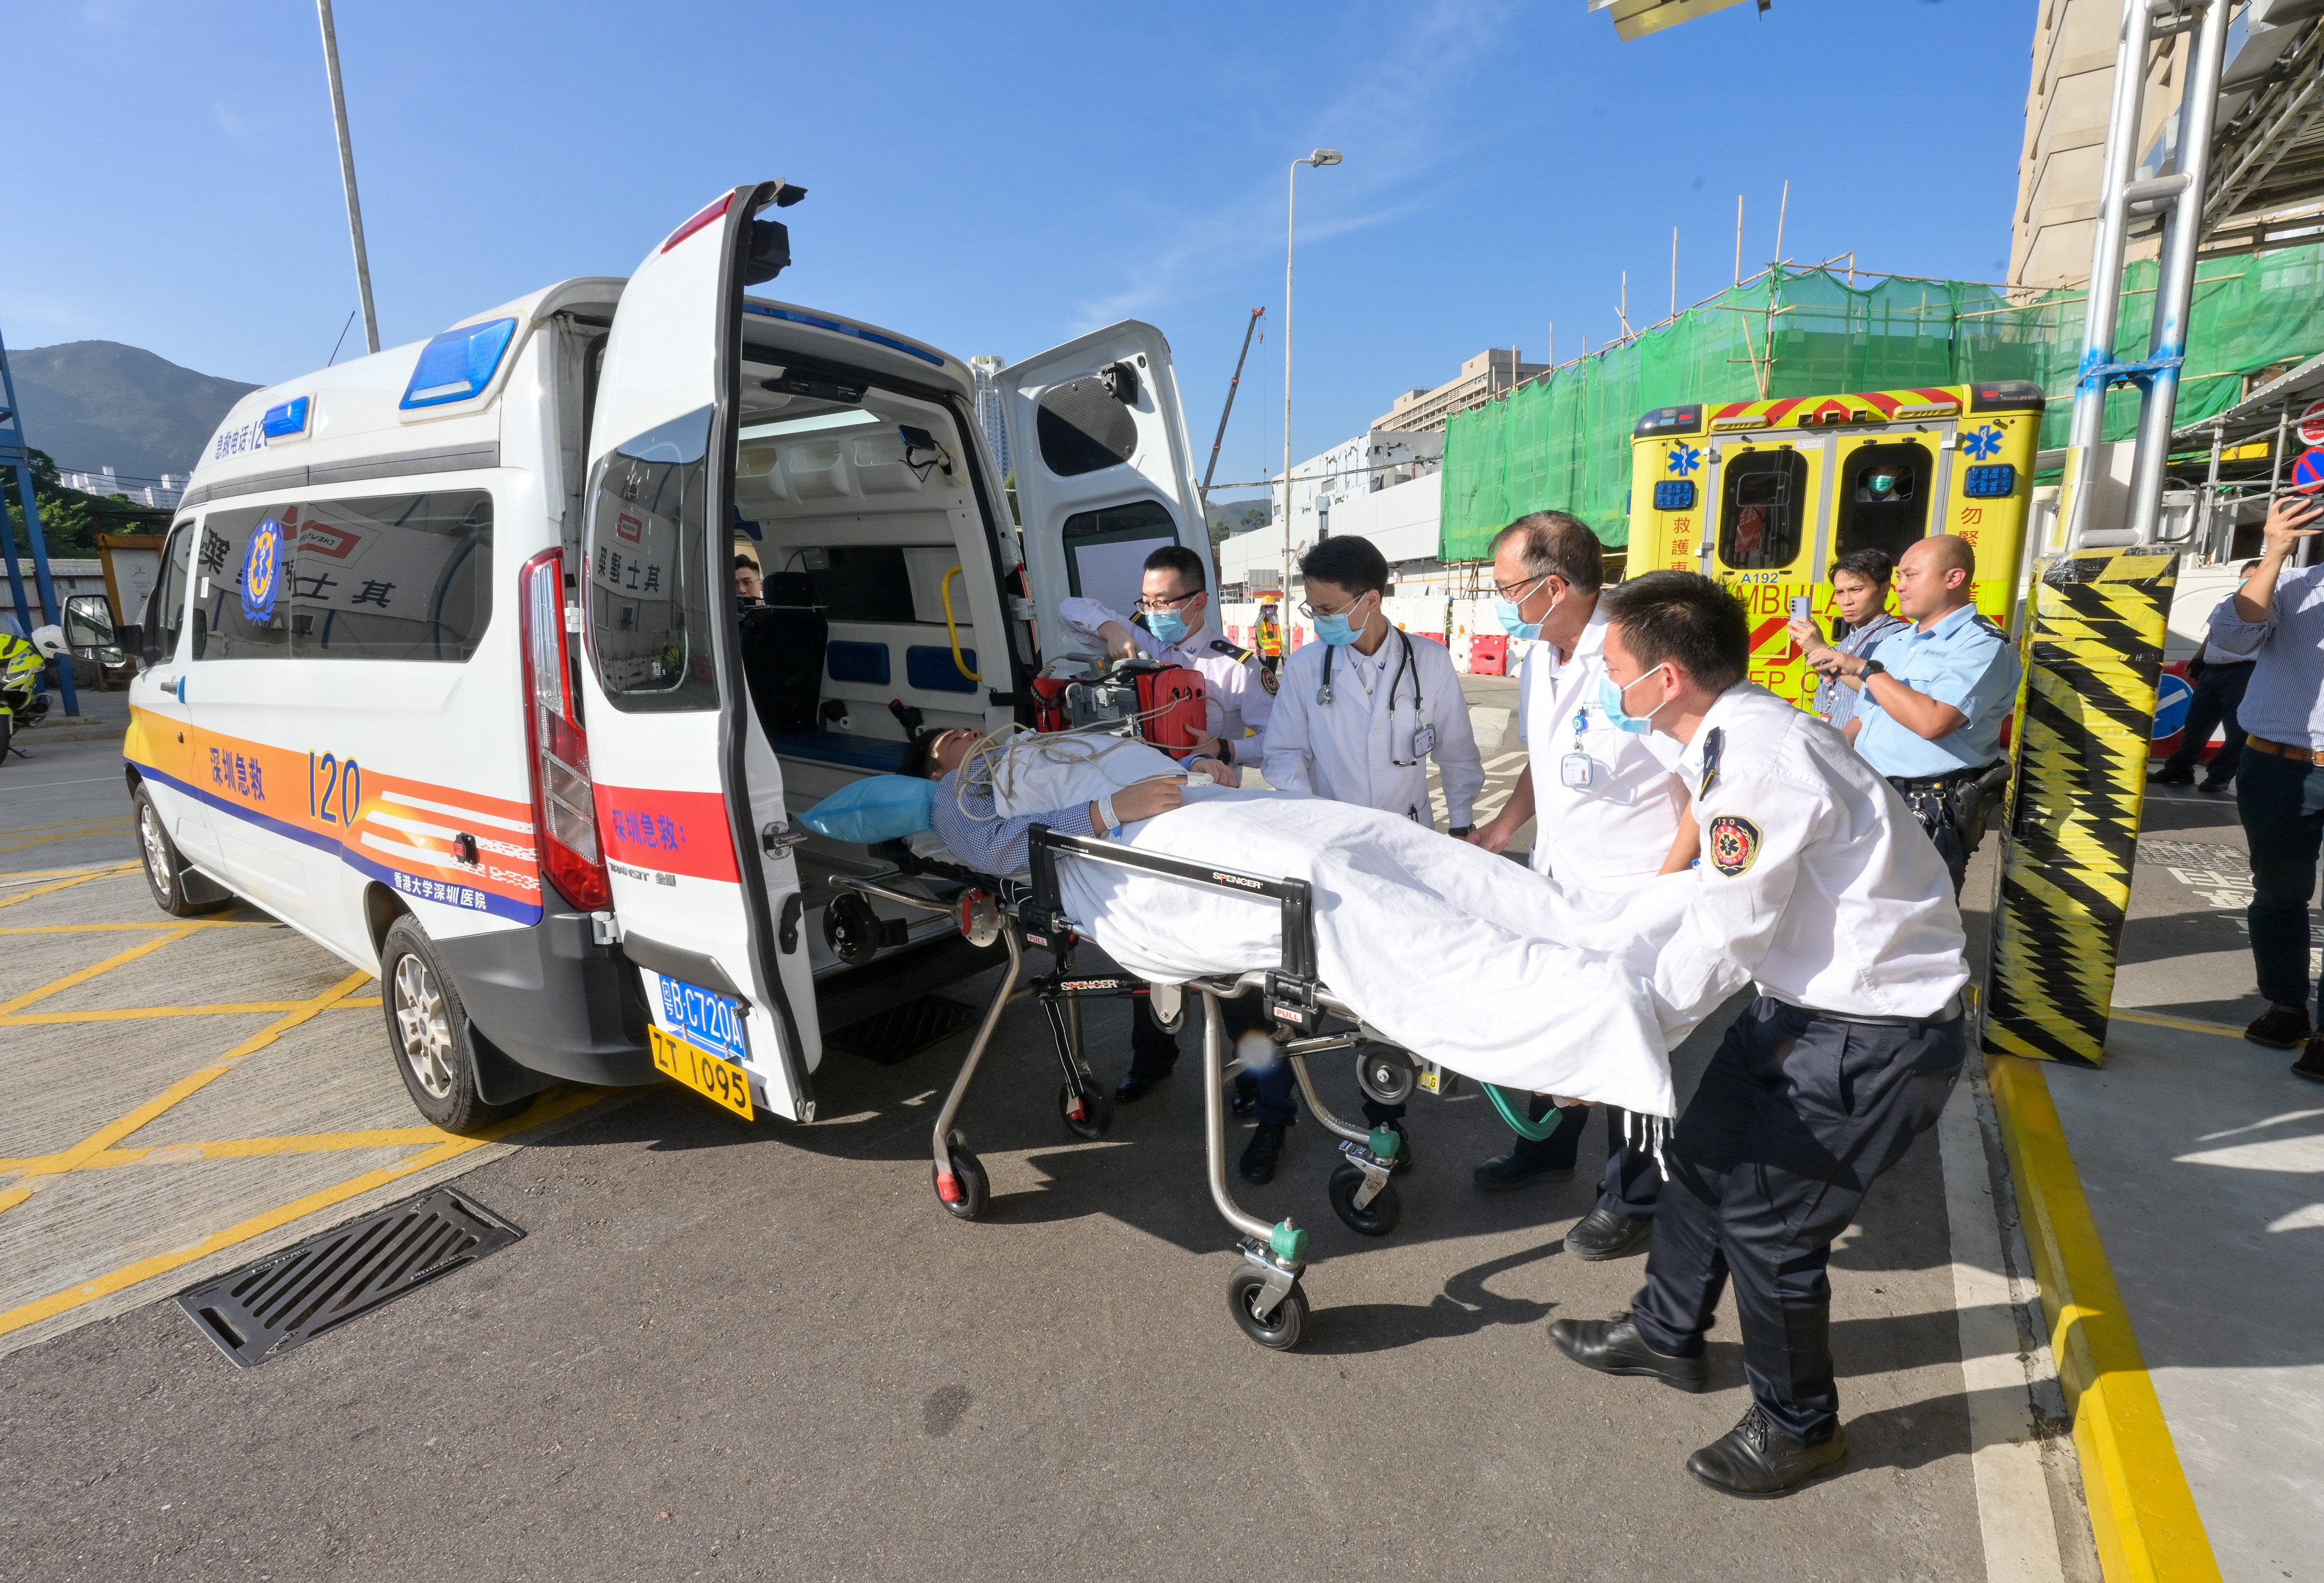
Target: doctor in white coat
column 1358, row 717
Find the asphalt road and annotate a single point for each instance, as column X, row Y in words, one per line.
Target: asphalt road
column 758, row 1350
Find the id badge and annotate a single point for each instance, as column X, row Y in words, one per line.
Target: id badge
column 1576, row 771
column 1423, row 741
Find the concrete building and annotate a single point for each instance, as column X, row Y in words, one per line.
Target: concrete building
column 1382, row 485
column 987, row 370
column 1489, row 374
column 165, row 492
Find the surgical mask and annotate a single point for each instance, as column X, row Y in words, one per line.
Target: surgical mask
column 1610, row 702
column 1513, row 620
column 1168, row 625
column 1337, row 630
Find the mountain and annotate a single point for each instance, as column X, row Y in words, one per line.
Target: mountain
column 94, row 404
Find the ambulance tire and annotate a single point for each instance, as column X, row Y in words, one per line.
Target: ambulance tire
column 1376, row 1218
column 427, row 1030
column 1279, row 1331
column 176, row 889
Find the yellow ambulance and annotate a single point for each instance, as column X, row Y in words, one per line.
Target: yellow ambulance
column 1765, row 495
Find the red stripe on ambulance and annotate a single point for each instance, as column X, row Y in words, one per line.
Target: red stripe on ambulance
column 670, row 831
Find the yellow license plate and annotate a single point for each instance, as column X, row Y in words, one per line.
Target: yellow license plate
column 705, row 1074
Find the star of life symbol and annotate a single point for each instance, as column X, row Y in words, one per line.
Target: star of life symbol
column 1983, row 442
column 1685, row 459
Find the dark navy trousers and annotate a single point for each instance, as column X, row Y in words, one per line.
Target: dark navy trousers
column 2281, row 801
column 1630, row 1186
column 1795, row 1115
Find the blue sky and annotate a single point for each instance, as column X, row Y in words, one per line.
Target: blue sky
column 998, row 178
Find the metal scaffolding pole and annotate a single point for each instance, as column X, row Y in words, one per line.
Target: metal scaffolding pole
column 15, row 453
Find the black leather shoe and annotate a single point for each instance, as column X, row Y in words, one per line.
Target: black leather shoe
column 2216, row 788
column 1518, row 1168
column 1602, row 1233
column 2280, row 1028
column 1244, row 1097
column 1615, row 1347
column 1756, row 1460
column 1261, row 1153
column 1135, row 1087
column 2310, row 1065
column 2163, row 775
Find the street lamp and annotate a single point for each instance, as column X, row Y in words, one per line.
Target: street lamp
column 1319, row 159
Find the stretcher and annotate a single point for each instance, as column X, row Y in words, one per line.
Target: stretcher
column 1264, row 1293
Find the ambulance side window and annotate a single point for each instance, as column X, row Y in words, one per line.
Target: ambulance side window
column 399, row 576
column 165, row 612
column 1764, row 499
column 1884, row 499
column 658, row 580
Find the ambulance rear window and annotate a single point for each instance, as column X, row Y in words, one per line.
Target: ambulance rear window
column 1763, row 498
column 658, row 579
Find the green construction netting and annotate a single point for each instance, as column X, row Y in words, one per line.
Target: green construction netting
column 1564, row 443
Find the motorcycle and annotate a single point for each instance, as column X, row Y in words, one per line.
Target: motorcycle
column 23, row 676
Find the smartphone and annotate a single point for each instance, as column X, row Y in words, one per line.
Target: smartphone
column 1801, row 604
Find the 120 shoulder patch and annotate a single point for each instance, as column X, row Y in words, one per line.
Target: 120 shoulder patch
column 1734, row 843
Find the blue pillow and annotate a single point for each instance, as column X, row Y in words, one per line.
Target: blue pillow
column 879, row 807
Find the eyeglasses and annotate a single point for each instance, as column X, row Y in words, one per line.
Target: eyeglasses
column 1512, row 594
column 1309, row 613
column 1171, row 602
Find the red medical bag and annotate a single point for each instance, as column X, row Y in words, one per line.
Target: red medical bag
column 1165, row 703
column 1171, row 710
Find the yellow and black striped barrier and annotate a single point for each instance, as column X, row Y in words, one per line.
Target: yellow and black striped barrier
column 2085, row 726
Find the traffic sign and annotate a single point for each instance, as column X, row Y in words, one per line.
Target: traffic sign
column 2172, row 696
column 2312, row 424
column 2307, row 472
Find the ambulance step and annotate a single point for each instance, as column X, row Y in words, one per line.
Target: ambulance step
column 287, row 1299
column 901, row 1031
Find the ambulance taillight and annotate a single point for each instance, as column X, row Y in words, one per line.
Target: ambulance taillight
column 564, row 802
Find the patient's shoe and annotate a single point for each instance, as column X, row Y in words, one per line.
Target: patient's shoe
column 1262, row 1154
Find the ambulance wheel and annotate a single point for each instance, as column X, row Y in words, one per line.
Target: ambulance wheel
column 1376, row 1218
column 1280, row 1330
column 427, row 1028
column 165, row 872
column 1097, row 1109
column 969, row 1190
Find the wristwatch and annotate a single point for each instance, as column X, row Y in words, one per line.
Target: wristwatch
column 1462, row 831
column 1872, row 668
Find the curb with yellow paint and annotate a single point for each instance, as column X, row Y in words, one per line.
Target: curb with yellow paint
column 2143, row 1515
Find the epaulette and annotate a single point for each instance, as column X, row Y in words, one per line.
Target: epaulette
column 1990, row 626
column 1221, row 645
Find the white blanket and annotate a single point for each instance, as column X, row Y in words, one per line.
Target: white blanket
column 1458, row 955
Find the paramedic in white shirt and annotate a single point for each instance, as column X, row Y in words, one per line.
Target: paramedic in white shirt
column 1608, row 814
column 1359, row 715
column 1175, row 626
column 1818, row 889
column 1173, row 623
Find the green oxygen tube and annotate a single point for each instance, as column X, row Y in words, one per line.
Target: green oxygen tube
column 1514, row 1114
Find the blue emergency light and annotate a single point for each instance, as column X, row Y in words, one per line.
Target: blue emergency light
column 458, row 363
column 288, row 419
column 1675, row 494
column 1995, row 481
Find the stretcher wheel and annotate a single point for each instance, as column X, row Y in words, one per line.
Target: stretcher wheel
column 1385, row 1075
column 1280, row 1330
column 1376, row 1218
column 970, row 1188
column 1097, row 1109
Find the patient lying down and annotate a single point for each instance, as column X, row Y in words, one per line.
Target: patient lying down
column 1456, row 954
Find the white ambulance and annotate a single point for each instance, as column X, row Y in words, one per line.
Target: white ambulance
column 445, row 667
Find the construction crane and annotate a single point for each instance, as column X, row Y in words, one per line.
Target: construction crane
column 1210, row 472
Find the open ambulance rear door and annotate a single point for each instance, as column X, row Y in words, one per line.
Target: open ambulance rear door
column 1105, row 475
column 705, row 890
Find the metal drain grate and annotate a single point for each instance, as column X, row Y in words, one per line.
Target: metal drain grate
column 284, row 1302
column 901, row 1031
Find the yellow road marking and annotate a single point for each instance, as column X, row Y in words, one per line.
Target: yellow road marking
column 124, row 928
column 21, row 1019
column 2143, row 1516
column 66, row 884
column 56, row 987
column 19, row 839
column 10, row 874
column 244, row 1149
column 81, row 825
column 30, row 1313
column 2185, row 1023
column 113, row 1132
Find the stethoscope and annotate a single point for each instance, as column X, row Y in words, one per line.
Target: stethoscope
column 1404, row 665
